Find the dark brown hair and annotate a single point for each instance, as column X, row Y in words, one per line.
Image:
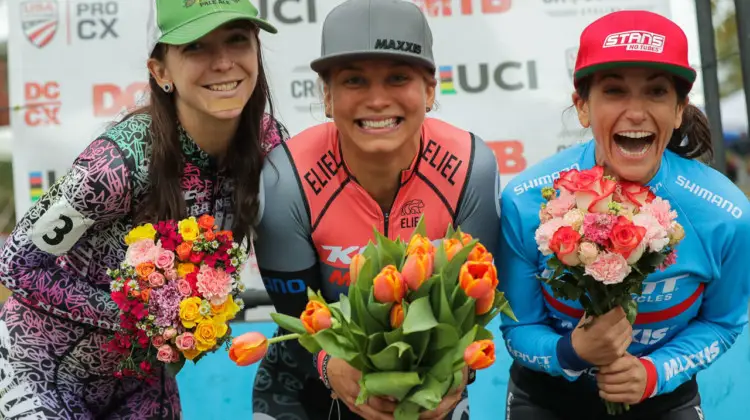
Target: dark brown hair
column 694, row 124
column 243, row 160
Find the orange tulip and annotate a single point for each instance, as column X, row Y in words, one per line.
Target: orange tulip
column 356, row 266
column 389, row 285
column 478, row 278
column 419, row 242
column 480, row 354
column 417, row 268
column 466, row 238
column 479, row 253
column 484, row 303
column 397, row 315
column 316, row 317
column 206, row 222
column 452, row 246
column 248, row 348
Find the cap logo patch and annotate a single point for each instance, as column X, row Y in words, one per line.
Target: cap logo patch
column 392, row 44
column 636, row 41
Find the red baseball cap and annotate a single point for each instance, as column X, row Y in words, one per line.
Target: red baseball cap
column 633, row 38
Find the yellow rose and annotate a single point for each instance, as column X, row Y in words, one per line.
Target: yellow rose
column 146, row 231
column 191, row 354
column 206, row 334
column 184, row 269
column 188, row 229
column 190, row 311
column 226, row 310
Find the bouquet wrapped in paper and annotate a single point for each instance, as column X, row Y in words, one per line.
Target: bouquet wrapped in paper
column 603, row 239
column 177, row 291
column 414, row 317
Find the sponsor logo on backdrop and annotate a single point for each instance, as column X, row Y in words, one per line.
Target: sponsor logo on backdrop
column 435, row 8
column 39, row 21
column 594, row 8
column 93, row 21
column 571, row 55
column 110, row 100
column 510, row 156
column 39, row 182
column 477, row 78
column 42, row 103
column 288, row 12
column 305, row 91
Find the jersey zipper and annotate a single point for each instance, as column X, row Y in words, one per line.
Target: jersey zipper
column 385, row 224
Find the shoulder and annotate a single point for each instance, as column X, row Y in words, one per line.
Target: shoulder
column 528, row 184
column 274, row 133
column 132, row 138
column 705, row 193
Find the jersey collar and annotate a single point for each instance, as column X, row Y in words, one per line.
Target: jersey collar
column 406, row 174
column 193, row 153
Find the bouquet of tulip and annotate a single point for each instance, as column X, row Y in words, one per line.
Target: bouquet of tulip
column 604, row 238
column 414, row 317
column 176, row 291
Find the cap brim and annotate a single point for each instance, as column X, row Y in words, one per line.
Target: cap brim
column 687, row 74
column 322, row 64
column 195, row 29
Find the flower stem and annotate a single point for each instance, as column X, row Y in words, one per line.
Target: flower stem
column 283, row 338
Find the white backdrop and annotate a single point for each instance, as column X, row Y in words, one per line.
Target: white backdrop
column 505, row 72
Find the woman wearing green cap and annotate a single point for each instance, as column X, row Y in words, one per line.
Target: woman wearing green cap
column 632, row 81
column 379, row 163
column 197, row 148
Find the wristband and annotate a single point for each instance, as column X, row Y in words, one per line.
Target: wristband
column 651, row 378
column 321, row 363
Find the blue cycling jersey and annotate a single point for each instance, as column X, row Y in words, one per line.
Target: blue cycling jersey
column 689, row 314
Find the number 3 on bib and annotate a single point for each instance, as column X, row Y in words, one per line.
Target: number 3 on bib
column 59, row 228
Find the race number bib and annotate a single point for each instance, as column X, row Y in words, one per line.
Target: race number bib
column 59, row 228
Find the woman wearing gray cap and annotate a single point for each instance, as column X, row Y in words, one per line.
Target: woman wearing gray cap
column 379, row 163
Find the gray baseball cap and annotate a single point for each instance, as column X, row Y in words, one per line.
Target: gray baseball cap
column 366, row 29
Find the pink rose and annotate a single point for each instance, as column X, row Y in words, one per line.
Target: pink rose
column 156, row 279
column 170, row 274
column 170, row 333
column 609, row 268
column 185, row 341
column 214, row 284
column 165, row 354
column 184, row 287
column 588, row 252
column 165, row 259
column 559, row 206
column 141, row 251
column 661, row 210
column 656, row 236
column 157, row 341
column 544, row 234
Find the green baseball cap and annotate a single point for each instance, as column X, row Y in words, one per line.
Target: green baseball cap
column 179, row 22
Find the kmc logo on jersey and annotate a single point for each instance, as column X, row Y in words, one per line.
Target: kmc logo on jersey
column 39, row 21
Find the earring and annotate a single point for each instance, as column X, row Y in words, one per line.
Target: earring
column 428, row 109
column 167, row 87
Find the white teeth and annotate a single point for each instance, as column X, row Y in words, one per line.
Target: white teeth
column 387, row 123
column 639, row 153
column 635, row 134
column 223, row 86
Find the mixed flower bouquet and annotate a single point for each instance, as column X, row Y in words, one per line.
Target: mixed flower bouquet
column 604, row 238
column 176, row 290
column 413, row 318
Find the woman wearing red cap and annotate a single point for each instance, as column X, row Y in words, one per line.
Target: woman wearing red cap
column 632, row 81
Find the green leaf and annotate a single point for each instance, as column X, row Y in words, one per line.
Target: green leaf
column 390, row 251
column 442, row 367
column 419, row 316
column 450, row 233
column 469, row 307
column 289, row 323
column 345, row 306
column 172, row 369
column 394, row 336
column 451, row 270
column 367, row 273
column 424, row 289
column 375, row 343
column 381, row 312
column 631, row 310
column 469, row 321
column 394, row 384
column 310, row 344
column 458, row 379
column 407, row 410
column 421, row 229
column 419, row 341
column 467, row 339
column 441, row 259
column 483, row 334
column 429, row 395
column 443, row 336
column 336, row 345
column 396, row 357
column 364, row 393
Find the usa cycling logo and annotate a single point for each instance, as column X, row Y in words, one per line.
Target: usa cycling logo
column 39, row 21
column 636, row 41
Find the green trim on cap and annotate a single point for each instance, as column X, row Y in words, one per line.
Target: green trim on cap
column 195, row 29
column 679, row 71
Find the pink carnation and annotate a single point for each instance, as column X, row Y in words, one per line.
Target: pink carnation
column 141, row 251
column 214, row 284
column 656, row 236
column 661, row 210
column 671, row 259
column 598, row 226
column 165, row 259
column 544, row 234
column 609, row 268
column 560, row 205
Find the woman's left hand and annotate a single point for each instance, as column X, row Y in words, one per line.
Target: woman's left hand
column 449, row 401
column 623, row 381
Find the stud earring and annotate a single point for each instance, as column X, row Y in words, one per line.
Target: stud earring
column 167, row 87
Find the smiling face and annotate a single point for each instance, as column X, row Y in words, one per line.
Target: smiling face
column 378, row 106
column 215, row 75
column 632, row 113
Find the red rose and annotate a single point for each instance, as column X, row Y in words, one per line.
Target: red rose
column 564, row 244
column 634, row 193
column 581, row 180
column 626, row 236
